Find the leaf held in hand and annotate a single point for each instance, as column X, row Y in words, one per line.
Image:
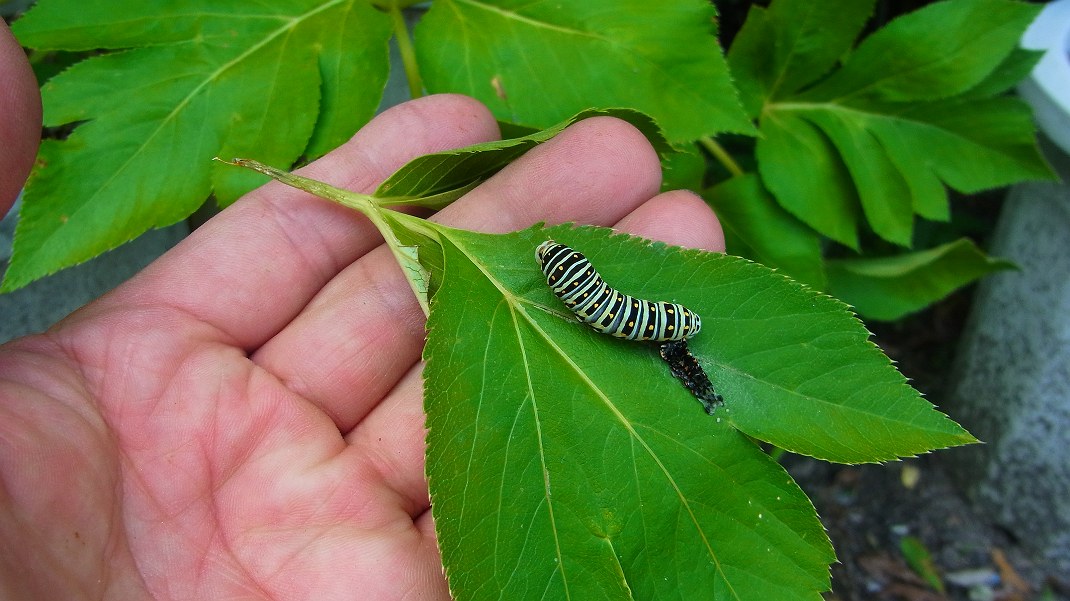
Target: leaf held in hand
column 566, row 463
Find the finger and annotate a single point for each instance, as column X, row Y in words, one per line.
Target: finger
column 20, row 118
column 594, row 172
column 251, row 269
column 692, row 224
column 365, row 329
column 391, row 437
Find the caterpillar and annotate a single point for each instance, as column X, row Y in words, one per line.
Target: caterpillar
column 574, row 280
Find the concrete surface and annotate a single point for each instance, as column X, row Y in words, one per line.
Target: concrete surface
column 1011, row 383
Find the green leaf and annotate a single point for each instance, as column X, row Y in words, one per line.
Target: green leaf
column 434, row 180
column 888, row 288
column 802, row 169
column 568, row 464
column 758, row 228
column 1018, row 64
column 563, row 463
column 683, row 170
column 909, row 111
column 194, row 79
column 921, row 561
column 939, row 51
column 810, row 38
column 884, row 194
column 537, row 63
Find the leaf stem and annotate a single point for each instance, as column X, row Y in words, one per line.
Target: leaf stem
column 354, row 200
column 721, row 155
column 367, row 206
column 408, row 53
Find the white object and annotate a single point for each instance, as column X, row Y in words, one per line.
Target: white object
column 1047, row 89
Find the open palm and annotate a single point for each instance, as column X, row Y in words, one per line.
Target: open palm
column 243, row 419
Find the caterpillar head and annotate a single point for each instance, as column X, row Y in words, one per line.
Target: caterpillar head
column 542, row 253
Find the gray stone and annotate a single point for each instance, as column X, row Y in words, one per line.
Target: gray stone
column 1011, row 383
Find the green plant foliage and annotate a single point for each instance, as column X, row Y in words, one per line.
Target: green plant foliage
column 755, row 226
column 437, row 179
column 277, row 79
column 684, row 170
column 569, row 465
column 911, row 109
column 563, row 463
column 852, row 138
column 535, row 63
column 887, row 288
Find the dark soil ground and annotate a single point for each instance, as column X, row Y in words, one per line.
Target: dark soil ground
column 870, row 509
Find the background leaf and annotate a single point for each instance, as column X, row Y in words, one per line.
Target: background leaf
column 660, row 58
column 938, row 51
column 567, row 463
column 810, row 38
column 909, row 111
column 758, row 228
column 806, row 175
column 196, row 79
column 887, row 288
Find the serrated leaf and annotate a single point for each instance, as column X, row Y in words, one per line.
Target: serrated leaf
column 555, row 475
column 888, row 288
column 195, row 79
column 1008, row 74
column 537, row 63
column 758, row 228
column 936, row 52
column 437, row 179
column 904, row 116
column 802, row 169
column 882, row 190
column 811, row 37
column 567, row 464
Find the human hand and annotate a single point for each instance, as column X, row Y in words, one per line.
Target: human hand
column 244, row 417
column 20, row 118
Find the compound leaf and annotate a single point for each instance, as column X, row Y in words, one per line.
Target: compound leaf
column 188, row 81
column 810, row 39
column 535, row 63
column 567, row 464
column 911, row 110
column 942, row 50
